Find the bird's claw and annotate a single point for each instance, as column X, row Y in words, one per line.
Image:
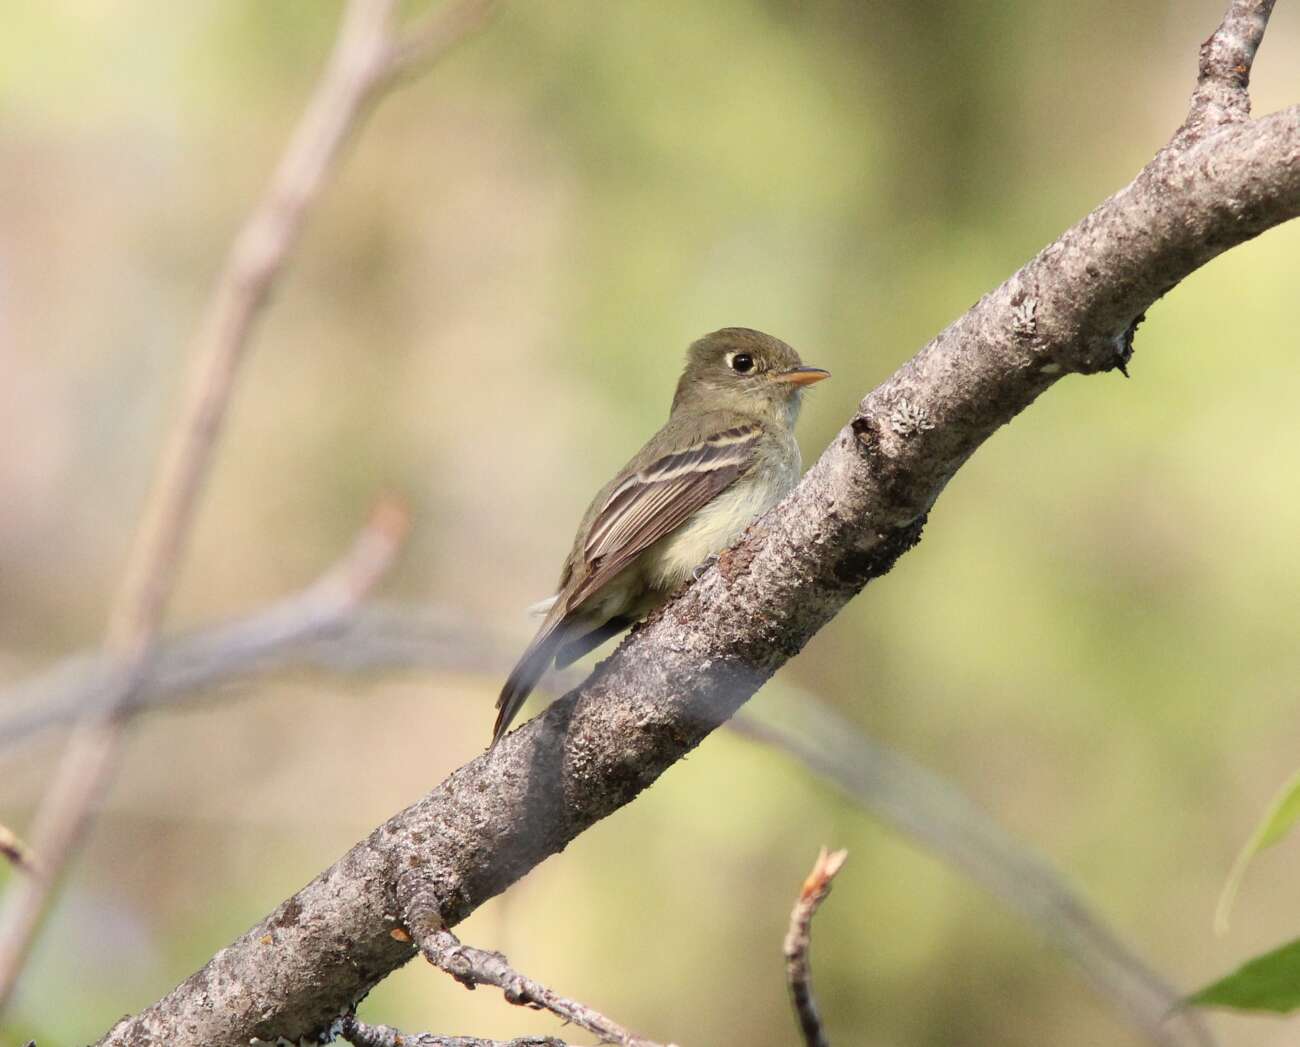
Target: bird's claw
column 700, row 568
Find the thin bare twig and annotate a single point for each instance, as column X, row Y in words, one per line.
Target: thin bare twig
column 361, row 1034
column 798, row 940
column 367, row 54
column 472, row 967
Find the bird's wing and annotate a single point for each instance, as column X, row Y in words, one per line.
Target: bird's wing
column 643, row 507
column 659, row 497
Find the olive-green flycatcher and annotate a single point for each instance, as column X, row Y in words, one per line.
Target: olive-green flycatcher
column 726, row 454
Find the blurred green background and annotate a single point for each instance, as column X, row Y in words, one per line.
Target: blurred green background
column 1097, row 638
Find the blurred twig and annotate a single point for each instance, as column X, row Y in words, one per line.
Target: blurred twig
column 370, row 53
column 361, row 1034
column 320, row 627
column 472, row 967
column 798, row 940
column 426, row 39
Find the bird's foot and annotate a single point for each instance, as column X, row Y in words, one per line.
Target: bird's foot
column 700, row 568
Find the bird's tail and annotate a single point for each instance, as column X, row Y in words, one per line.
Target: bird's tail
column 530, row 668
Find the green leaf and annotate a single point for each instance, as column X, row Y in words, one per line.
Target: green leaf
column 1282, row 814
column 1267, row 983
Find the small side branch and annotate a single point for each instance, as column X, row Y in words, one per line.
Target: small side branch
column 360, row 1034
column 473, row 967
column 1227, row 56
column 798, row 940
column 1223, row 73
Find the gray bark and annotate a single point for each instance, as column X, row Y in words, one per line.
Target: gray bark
column 1073, row 309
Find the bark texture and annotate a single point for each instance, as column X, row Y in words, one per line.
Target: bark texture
column 1073, row 309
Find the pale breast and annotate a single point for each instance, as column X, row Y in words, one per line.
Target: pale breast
column 714, row 527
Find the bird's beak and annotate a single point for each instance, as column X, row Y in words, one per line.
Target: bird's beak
column 801, row 375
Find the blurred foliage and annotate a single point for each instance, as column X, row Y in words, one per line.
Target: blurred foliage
column 1097, row 637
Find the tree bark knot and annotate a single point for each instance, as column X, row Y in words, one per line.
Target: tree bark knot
column 459, row 968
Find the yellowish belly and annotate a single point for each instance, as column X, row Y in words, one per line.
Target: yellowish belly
column 670, row 561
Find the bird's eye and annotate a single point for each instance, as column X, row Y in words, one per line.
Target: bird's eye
column 742, row 363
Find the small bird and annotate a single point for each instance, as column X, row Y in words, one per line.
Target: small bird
column 726, row 454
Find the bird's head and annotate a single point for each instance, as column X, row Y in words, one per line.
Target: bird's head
column 745, row 370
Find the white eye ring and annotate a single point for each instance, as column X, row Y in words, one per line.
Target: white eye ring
column 748, row 365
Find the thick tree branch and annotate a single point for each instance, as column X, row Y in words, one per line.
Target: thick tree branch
column 798, row 941
column 304, row 632
column 1072, row 309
